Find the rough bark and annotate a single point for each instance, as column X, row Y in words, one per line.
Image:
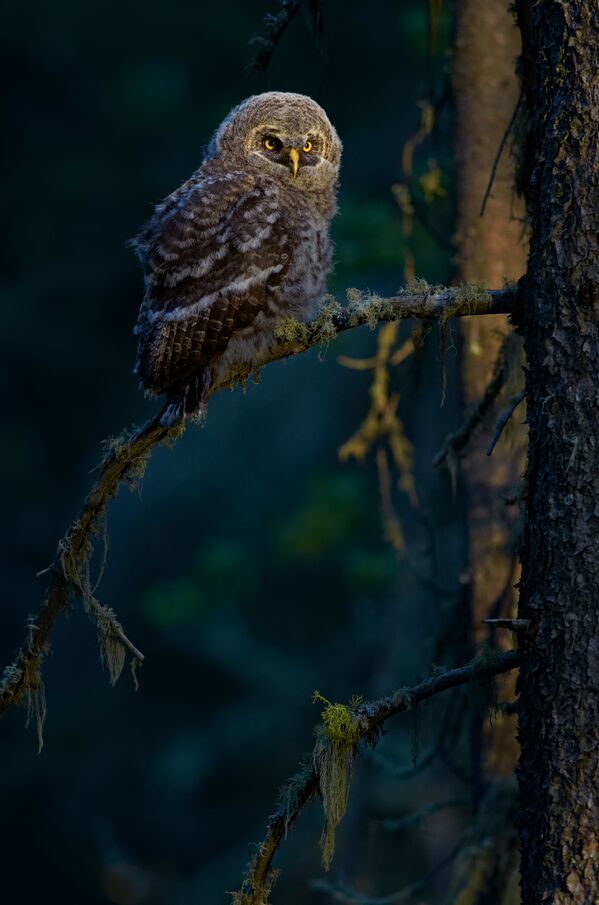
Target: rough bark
column 559, row 681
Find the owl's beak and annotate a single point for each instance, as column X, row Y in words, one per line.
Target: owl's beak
column 294, row 161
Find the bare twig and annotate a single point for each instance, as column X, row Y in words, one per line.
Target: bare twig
column 127, row 456
column 458, row 440
column 482, row 668
column 504, row 138
column 370, row 717
column 446, row 735
column 504, row 418
column 395, row 825
column 515, row 625
column 341, row 892
column 117, row 632
column 509, row 708
column 275, row 26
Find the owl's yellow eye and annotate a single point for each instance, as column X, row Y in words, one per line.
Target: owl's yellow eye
column 307, row 147
column 271, row 144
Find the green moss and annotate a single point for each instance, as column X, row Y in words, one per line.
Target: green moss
column 339, row 720
column 289, row 330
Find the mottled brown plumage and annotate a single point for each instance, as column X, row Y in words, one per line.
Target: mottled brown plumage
column 241, row 244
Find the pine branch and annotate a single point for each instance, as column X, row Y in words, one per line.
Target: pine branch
column 370, row 717
column 127, row 456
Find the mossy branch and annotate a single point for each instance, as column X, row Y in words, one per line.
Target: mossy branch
column 343, row 726
column 127, row 455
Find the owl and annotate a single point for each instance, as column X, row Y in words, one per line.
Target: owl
column 239, row 246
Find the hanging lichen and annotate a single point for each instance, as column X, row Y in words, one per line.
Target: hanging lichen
column 333, row 757
column 35, row 698
column 75, row 562
column 112, row 651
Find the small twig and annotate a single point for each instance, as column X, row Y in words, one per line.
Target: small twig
column 275, row 26
column 116, row 630
column 447, row 731
column 340, row 892
column 129, row 645
column 458, row 440
column 505, row 136
column 516, row 625
column 371, row 717
column 509, row 708
column 45, row 571
column 504, row 418
column 402, row 823
column 482, row 668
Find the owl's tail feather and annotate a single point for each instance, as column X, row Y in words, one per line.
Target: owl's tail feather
column 189, row 401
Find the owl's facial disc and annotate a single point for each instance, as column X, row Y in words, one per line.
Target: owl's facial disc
column 292, row 152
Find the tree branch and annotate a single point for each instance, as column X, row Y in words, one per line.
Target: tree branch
column 275, row 26
column 341, row 892
column 504, row 418
column 370, row 717
column 127, row 455
column 458, row 440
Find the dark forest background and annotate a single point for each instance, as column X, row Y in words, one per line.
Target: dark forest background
column 252, row 568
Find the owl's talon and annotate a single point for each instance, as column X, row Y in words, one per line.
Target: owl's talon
column 196, row 396
column 173, row 413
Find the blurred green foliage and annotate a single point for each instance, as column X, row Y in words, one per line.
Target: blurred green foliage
column 223, row 574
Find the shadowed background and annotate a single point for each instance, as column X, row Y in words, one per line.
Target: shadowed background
column 251, row 568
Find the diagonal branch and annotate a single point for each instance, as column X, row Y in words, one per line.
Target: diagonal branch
column 370, row 718
column 457, row 441
column 127, row 455
column 504, row 418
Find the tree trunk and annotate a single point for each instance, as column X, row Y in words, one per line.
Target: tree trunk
column 559, row 682
column 490, row 249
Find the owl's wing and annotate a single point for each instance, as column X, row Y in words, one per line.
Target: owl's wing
column 212, row 253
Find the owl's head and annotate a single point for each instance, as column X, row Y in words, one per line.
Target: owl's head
column 286, row 136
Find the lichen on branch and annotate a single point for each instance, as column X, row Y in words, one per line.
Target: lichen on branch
column 127, row 455
column 337, row 737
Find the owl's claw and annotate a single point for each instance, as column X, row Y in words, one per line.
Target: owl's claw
column 196, row 396
column 173, row 413
column 191, row 401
